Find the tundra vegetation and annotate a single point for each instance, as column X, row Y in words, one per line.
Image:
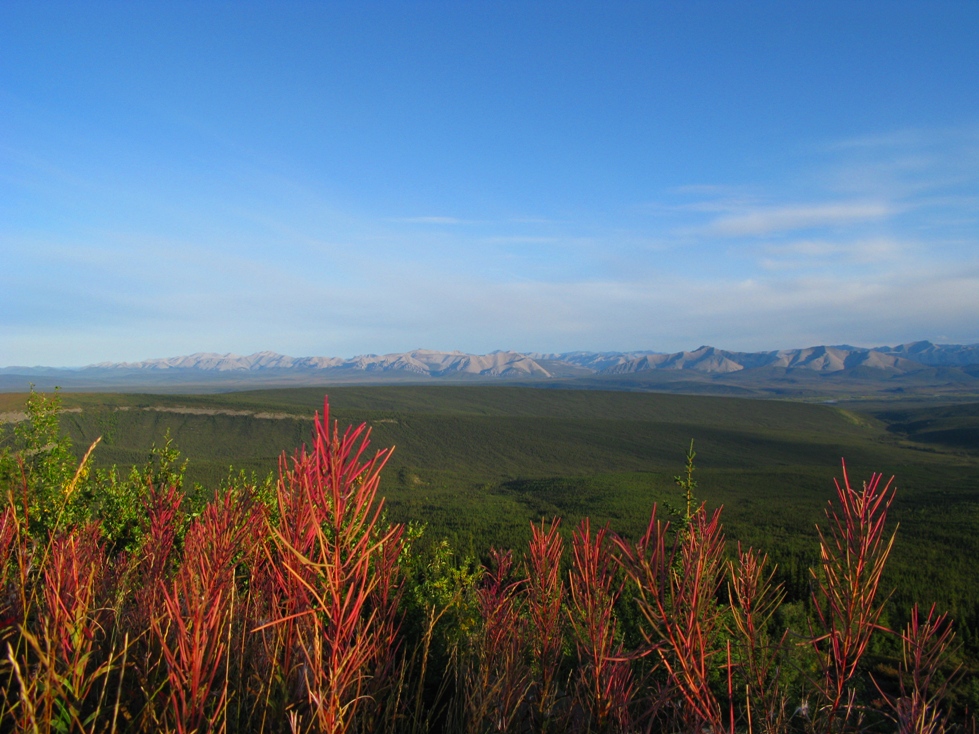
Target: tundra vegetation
column 133, row 602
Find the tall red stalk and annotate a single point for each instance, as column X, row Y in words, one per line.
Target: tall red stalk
column 925, row 647
column 604, row 684
column 74, row 566
column 754, row 599
column 676, row 592
column 10, row 594
column 13, row 560
column 193, row 632
column 329, row 545
column 66, row 649
column 853, row 555
column 497, row 691
column 163, row 518
column 545, row 595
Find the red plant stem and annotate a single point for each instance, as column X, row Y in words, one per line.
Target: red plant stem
column 845, row 595
column 545, row 595
column 163, row 517
column 753, row 602
column 328, row 547
column 10, row 534
column 730, row 689
column 75, row 562
column 197, row 607
column 605, row 673
column 925, row 648
column 502, row 678
column 677, row 590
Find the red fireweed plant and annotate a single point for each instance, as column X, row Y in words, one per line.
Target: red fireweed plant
column 198, row 606
column 331, row 550
column 545, row 595
column 500, row 677
column 149, row 571
column 13, row 553
column 604, row 686
column 153, row 562
column 925, row 647
column 754, row 600
column 676, row 588
column 381, row 704
column 57, row 635
column 70, row 582
column 853, row 554
column 10, row 546
column 60, row 668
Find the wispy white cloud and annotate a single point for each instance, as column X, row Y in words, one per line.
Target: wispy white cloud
column 951, row 137
column 791, row 218
column 891, row 139
column 706, row 189
column 819, row 253
column 520, row 240
column 433, row 220
column 537, row 220
column 906, row 165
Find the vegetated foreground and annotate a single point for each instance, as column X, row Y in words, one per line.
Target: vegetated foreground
column 478, row 464
column 297, row 606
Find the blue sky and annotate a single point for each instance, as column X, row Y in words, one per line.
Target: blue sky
column 344, row 178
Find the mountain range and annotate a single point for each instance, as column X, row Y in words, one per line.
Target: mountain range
column 923, row 359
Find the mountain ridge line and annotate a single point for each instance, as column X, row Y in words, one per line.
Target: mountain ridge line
column 901, row 359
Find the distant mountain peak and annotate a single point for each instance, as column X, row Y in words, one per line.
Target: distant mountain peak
column 427, row 364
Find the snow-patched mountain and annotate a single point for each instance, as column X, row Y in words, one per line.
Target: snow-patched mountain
column 226, row 362
column 427, row 363
column 938, row 355
column 837, row 359
column 436, row 364
column 815, row 359
column 703, row 359
column 593, row 361
column 419, row 361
